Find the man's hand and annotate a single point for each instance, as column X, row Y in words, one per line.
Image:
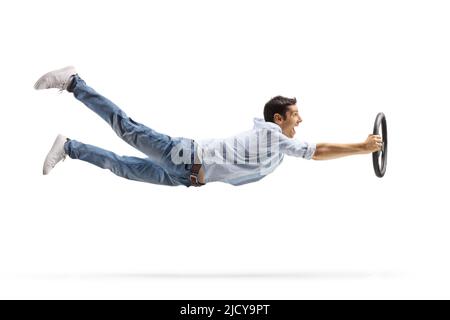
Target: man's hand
column 373, row 143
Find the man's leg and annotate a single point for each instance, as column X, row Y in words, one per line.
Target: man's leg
column 132, row 168
column 155, row 145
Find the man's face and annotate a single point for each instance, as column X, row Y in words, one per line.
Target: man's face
column 292, row 120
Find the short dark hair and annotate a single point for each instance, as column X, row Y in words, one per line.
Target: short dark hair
column 278, row 105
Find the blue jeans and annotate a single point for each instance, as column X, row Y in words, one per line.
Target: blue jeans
column 158, row 168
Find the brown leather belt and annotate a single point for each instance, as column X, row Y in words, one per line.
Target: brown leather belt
column 194, row 175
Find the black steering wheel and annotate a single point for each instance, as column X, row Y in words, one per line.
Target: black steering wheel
column 380, row 157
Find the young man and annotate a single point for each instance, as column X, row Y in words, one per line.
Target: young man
column 239, row 159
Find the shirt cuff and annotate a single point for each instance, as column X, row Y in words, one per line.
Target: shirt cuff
column 310, row 151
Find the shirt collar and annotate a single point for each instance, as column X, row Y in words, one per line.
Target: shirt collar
column 261, row 123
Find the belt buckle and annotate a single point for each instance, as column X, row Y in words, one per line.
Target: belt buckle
column 195, row 180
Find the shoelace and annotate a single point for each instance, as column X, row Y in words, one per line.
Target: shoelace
column 61, row 88
column 63, row 85
column 53, row 164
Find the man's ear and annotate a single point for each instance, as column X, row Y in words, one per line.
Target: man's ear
column 277, row 118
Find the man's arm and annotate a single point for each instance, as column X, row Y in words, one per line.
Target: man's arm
column 327, row 151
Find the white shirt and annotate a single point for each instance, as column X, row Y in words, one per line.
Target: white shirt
column 250, row 155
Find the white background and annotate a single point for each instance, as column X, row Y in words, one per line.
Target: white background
column 204, row 69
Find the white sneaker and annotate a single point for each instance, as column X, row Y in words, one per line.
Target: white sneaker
column 56, row 154
column 59, row 79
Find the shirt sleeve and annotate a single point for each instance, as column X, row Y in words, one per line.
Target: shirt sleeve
column 297, row 148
